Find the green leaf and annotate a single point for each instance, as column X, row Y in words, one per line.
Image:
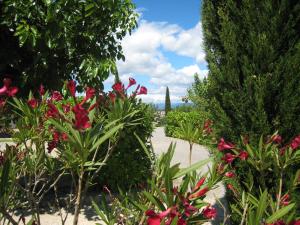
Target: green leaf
column 262, row 205
column 192, row 168
column 106, row 136
column 100, row 212
column 137, row 205
column 154, row 200
column 143, row 146
column 174, row 221
column 280, row 213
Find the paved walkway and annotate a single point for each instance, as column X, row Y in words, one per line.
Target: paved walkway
column 161, row 143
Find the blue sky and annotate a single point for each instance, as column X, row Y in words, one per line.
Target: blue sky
column 165, row 50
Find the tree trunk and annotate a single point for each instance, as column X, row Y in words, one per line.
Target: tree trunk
column 190, row 158
column 78, row 198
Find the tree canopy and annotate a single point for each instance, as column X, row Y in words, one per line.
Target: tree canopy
column 168, row 107
column 50, row 41
column 253, row 54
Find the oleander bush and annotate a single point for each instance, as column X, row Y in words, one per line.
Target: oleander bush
column 263, row 179
column 160, row 201
column 62, row 134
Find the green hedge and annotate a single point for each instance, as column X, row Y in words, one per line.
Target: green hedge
column 129, row 165
column 174, row 118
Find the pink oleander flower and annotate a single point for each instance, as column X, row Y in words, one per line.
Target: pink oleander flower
column 131, row 82
column 81, row 117
column 209, row 212
column 142, row 91
column 243, row 155
column 33, row 103
column 153, row 218
column 12, row 91
column 56, row 96
column 89, row 93
column 228, row 158
column 118, row 87
column 224, row 145
column 66, row 107
column 64, row 136
column 6, row 85
column 230, row 174
column 295, row 143
column 199, row 194
column 52, row 111
column 72, row 87
column 55, row 136
column 275, row 139
column 285, row 200
column 199, row 184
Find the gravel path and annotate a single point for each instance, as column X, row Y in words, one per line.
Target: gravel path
column 161, row 143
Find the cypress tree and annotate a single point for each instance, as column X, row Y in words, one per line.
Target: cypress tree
column 167, row 102
column 253, row 54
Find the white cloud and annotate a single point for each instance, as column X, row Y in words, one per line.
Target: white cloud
column 187, row 43
column 144, row 56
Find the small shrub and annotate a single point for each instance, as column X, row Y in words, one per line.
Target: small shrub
column 175, row 118
column 129, row 164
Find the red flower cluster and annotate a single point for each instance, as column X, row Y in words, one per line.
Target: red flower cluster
column 209, row 212
column 81, row 117
column 72, row 87
column 229, row 157
column 295, row 143
column 33, row 103
column 224, row 146
column 285, row 200
column 56, row 96
column 188, row 209
column 119, row 90
column 56, row 138
column 7, row 89
column 230, row 174
column 118, row 87
column 89, row 93
column 281, row 222
column 196, row 193
column 131, row 82
column 277, row 139
column 52, row 111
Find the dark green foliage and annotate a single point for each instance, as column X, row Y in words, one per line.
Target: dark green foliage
column 167, row 102
column 253, row 54
column 51, row 41
column 198, row 93
column 175, row 118
column 129, row 165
